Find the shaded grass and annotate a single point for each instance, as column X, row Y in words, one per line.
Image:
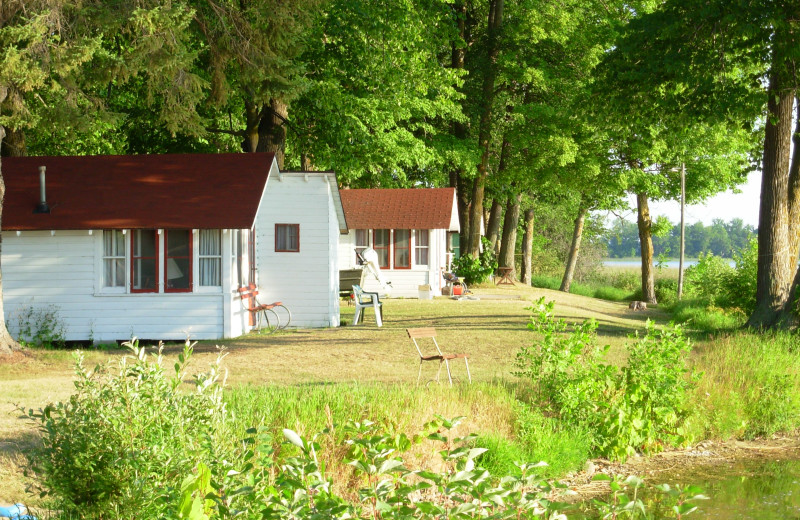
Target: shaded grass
column 699, row 316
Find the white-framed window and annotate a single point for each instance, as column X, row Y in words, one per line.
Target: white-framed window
column 210, row 258
column 381, row 243
column 241, row 268
column 113, row 258
column 362, row 241
column 421, row 246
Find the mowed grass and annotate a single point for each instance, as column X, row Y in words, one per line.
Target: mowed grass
column 365, row 360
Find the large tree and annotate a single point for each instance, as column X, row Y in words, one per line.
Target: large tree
column 59, row 56
column 737, row 62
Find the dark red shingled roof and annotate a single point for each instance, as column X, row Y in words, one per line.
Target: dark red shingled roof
column 416, row 208
column 214, row 191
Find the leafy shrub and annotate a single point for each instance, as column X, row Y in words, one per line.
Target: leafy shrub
column 740, row 285
column 120, row 445
column 666, row 290
column 638, row 407
column 476, row 270
column 39, row 326
column 708, row 278
column 133, row 445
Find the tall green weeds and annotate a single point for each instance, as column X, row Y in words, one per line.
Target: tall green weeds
column 640, row 407
column 750, row 387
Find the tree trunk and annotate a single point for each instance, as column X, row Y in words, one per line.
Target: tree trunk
column 791, row 311
column 459, row 129
column 527, row 248
column 272, row 130
column 494, row 25
column 508, row 246
column 252, row 118
column 645, row 223
column 15, row 143
column 493, row 227
column 794, row 189
column 774, row 269
column 572, row 259
column 7, row 343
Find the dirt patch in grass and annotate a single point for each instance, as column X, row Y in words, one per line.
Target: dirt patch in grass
column 16, row 357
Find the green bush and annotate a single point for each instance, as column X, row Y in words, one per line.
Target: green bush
column 740, row 285
column 666, row 291
column 122, row 443
column 476, row 270
column 40, row 326
column 637, row 407
column 133, row 444
column 708, row 278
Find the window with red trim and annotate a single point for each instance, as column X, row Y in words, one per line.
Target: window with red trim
column 144, row 260
column 178, row 260
column 381, row 239
column 287, row 238
column 402, row 249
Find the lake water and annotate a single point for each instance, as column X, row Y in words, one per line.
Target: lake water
column 746, row 490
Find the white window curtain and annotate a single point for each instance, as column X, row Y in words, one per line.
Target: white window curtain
column 421, row 246
column 113, row 258
column 210, row 258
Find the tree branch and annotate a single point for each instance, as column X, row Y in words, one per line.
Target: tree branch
column 238, row 133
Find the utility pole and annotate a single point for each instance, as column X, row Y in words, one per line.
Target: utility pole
column 683, row 203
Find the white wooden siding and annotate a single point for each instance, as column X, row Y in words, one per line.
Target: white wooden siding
column 305, row 281
column 41, row 271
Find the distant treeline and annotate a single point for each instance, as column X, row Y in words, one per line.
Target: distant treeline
column 720, row 238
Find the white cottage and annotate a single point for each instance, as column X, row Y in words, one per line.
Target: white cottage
column 410, row 229
column 156, row 246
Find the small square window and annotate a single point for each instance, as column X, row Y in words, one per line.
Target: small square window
column 287, row 238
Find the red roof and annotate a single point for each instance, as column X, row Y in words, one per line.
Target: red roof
column 215, row 191
column 416, row 208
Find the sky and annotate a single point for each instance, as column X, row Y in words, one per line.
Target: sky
column 725, row 206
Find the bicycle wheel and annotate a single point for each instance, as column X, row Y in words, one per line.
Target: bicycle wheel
column 269, row 322
column 285, row 315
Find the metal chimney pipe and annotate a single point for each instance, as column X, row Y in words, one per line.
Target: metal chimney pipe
column 42, row 207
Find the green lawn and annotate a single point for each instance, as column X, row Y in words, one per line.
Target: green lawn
column 490, row 330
